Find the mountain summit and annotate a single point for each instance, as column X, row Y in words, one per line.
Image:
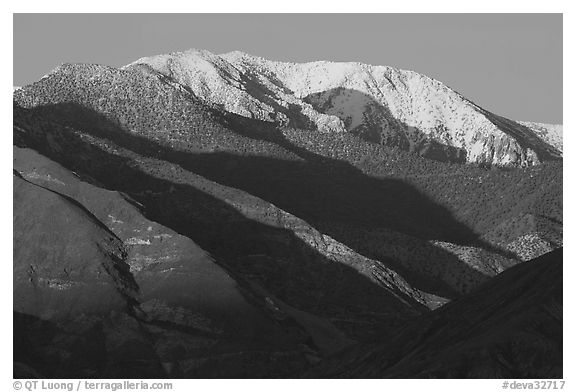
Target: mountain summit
column 380, row 104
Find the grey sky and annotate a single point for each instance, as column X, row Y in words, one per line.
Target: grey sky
column 510, row 64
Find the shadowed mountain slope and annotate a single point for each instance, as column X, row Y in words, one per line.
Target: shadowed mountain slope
column 510, row 327
column 151, row 300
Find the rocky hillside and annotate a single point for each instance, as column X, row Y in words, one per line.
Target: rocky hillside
column 380, row 104
column 123, row 295
column 510, row 327
column 333, row 295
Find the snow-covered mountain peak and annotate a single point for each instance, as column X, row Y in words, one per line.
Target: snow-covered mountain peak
column 378, row 103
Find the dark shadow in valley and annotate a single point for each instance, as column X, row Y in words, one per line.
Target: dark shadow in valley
column 271, row 256
column 332, row 195
column 48, row 349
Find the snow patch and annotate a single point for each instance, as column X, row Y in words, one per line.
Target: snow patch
column 136, row 241
column 114, row 220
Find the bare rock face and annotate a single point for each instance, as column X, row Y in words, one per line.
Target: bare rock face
column 380, row 104
column 53, row 236
column 91, row 271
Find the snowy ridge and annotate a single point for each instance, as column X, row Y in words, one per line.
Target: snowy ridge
column 550, row 133
column 379, row 103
